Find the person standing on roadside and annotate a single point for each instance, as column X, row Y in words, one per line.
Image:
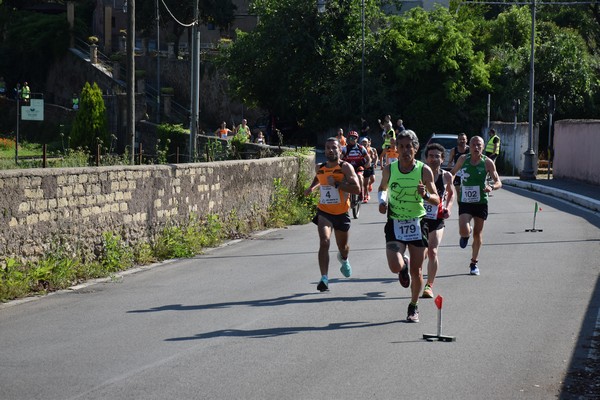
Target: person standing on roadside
column 386, row 124
column 434, row 219
column 25, row 93
column 405, row 186
column 244, row 130
column 340, row 137
column 492, row 149
column 387, row 132
column 364, row 127
column 336, row 180
column 472, row 170
column 223, row 131
column 399, row 126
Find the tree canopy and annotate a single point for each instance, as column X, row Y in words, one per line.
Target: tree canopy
column 434, row 69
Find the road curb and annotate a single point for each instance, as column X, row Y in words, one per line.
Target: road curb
column 578, row 199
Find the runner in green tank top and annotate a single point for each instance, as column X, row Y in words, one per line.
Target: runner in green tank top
column 472, row 169
column 406, row 183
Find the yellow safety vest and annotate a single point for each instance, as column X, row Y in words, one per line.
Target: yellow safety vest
column 489, row 148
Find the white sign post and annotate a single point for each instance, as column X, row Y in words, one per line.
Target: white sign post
column 34, row 111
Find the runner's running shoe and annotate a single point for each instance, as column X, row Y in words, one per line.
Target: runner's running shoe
column 323, row 285
column 464, row 241
column 474, row 269
column 427, row 292
column 413, row 313
column 345, row 269
column 404, row 276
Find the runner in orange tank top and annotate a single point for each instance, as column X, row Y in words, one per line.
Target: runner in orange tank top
column 335, row 179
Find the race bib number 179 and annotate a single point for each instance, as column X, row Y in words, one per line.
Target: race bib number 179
column 408, row 230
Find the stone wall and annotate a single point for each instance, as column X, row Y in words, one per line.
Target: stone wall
column 76, row 205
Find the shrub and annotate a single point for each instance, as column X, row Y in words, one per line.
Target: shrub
column 90, row 123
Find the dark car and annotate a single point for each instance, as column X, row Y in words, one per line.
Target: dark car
column 286, row 127
column 447, row 140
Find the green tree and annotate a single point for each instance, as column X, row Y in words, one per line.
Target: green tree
column 422, row 65
column 90, row 124
column 29, row 43
column 432, row 68
column 440, row 77
column 563, row 66
column 301, row 64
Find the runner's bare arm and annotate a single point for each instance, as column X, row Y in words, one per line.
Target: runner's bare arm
column 382, row 191
column 350, row 182
column 427, row 188
column 490, row 167
column 451, row 157
column 448, row 181
column 458, row 165
column 313, row 185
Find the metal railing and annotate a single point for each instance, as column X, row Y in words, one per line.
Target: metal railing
column 103, row 61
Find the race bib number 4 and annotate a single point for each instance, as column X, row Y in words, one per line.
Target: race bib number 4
column 329, row 195
column 470, row 194
column 408, row 230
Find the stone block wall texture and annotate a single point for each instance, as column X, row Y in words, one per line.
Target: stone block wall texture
column 77, row 205
column 576, row 145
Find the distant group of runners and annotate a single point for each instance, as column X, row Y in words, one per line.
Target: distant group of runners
column 417, row 198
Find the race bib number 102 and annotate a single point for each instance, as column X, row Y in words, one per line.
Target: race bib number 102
column 470, row 194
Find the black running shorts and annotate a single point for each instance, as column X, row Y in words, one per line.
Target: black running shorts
column 473, row 209
column 339, row 222
column 434, row 224
column 390, row 236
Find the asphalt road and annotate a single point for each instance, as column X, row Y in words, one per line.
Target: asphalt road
column 244, row 321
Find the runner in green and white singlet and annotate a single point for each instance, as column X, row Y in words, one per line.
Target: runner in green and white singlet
column 472, row 170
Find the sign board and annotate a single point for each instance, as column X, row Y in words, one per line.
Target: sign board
column 34, row 111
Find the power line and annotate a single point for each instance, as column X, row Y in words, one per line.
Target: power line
column 176, row 20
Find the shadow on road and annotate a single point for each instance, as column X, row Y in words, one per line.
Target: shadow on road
column 274, row 332
column 279, row 301
column 583, row 376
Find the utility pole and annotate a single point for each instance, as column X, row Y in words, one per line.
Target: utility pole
column 157, row 63
column 18, row 95
column 131, row 77
column 195, row 87
column 551, row 110
column 362, row 61
column 528, row 172
column 516, row 107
